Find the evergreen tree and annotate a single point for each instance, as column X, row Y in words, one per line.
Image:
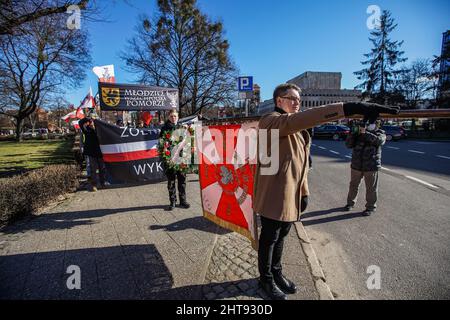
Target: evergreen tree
column 380, row 71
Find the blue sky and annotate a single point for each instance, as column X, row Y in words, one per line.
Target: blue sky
column 274, row 41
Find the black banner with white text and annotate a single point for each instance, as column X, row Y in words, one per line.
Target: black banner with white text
column 130, row 154
column 130, row 97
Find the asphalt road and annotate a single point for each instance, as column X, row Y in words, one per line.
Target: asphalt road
column 407, row 238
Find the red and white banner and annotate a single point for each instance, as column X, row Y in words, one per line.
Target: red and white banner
column 227, row 185
column 105, row 73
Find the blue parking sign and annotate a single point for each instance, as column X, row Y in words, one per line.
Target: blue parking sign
column 245, row 84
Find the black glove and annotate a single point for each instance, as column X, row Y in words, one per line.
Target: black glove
column 303, row 203
column 370, row 111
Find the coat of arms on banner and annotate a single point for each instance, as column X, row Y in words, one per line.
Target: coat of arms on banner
column 111, row 96
column 226, row 170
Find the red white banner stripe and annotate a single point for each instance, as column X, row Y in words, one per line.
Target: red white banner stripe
column 130, row 151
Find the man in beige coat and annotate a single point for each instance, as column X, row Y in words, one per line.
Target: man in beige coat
column 280, row 197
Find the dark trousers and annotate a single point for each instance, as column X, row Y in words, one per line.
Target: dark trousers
column 270, row 249
column 181, row 177
column 95, row 163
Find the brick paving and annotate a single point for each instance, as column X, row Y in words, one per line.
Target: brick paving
column 128, row 246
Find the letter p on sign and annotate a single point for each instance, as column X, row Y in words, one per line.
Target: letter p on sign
column 245, row 83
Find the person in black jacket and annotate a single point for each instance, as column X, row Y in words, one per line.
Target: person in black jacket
column 366, row 161
column 173, row 175
column 91, row 149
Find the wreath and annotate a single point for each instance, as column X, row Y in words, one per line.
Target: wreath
column 176, row 148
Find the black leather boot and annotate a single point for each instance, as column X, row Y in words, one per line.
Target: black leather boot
column 286, row 285
column 171, row 206
column 271, row 289
column 184, row 204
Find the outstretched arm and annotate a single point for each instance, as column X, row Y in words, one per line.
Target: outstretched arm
column 291, row 123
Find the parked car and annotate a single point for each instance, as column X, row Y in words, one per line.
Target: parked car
column 30, row 133
column 394, row 133
column 334, row 131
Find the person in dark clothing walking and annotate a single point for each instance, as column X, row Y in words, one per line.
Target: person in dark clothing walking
column 91, row 149
column 366, row 161
column 173, row 175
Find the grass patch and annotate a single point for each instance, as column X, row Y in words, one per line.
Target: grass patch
column 19, row 157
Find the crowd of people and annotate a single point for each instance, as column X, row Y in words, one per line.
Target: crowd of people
column 289, row 186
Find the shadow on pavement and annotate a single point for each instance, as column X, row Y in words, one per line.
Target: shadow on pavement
column 198, row 223
column 120, row 272
column 133, row 272
column 331, row 219
column 67, row 220
column 322, row 212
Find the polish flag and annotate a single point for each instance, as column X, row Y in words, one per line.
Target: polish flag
column 70, row 115
column 75, row 124
column 80, row 113
column 88, row 101
column 105, row 73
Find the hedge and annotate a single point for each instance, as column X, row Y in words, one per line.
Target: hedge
column 23, row 194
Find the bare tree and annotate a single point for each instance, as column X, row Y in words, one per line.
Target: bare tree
column 14, row 14
column 44, row 59
column 414, row 82
column 183, row 49
column 58, row 107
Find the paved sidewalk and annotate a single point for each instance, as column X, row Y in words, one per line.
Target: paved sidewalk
column 128, row 246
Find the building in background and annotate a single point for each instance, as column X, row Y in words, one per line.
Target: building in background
column 256, row 95
column 444, row 68
column 318, row 88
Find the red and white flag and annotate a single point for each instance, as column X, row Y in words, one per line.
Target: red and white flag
column 70, row 115
column 75, row 124
column 105, row 73
column 80, row 113
column 88, row 101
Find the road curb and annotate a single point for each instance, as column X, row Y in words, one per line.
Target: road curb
column 316, row 270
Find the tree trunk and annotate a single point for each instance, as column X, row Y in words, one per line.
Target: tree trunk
column 18, row 129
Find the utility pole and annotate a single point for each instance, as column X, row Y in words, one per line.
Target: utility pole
column 247, row 102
